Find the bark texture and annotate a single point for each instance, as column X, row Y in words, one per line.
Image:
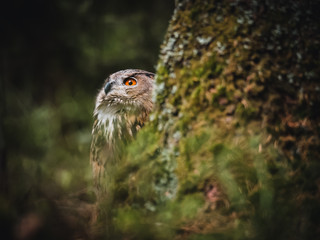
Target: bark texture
column 232, row 149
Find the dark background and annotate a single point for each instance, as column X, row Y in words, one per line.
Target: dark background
column 55, row 56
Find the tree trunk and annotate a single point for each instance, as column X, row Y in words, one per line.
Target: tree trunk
column 233, row 145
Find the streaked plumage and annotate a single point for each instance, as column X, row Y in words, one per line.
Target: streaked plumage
column 122, row 106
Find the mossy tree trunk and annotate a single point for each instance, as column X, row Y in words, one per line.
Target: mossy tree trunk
column 232, row 149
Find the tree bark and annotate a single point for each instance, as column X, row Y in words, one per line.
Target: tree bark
column 232, row 148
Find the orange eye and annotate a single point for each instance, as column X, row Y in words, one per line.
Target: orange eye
column 130, row 81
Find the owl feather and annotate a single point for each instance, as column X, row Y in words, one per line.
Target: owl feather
column 122, row 107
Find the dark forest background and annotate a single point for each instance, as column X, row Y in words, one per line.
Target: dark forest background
column 55, row 55
column 231, row 150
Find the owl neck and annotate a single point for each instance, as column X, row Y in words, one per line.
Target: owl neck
column 120, row 126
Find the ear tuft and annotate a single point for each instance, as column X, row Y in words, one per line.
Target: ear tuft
column 150, row 75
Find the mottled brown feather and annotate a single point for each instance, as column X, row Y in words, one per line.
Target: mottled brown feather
column 118, row 115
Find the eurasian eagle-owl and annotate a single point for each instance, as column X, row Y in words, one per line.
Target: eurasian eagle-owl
column 122, row 106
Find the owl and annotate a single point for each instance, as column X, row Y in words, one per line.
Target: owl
column 122, row 107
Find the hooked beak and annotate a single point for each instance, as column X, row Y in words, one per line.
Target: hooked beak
column 107, row 87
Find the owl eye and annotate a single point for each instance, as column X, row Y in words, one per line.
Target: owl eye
column 130, row 81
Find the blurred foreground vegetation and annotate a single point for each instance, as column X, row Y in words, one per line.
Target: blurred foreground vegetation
column 55, row 55
column 232, row 148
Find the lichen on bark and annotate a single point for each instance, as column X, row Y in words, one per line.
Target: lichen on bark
column 231, row 150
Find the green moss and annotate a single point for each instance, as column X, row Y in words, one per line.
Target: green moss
column 246, row 113
column 206, row 155
column 196, row 95
column 190, row 205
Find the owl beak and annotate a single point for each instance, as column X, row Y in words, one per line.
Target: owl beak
column 107, row 87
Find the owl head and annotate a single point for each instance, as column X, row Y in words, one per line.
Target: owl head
column 126, row 91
